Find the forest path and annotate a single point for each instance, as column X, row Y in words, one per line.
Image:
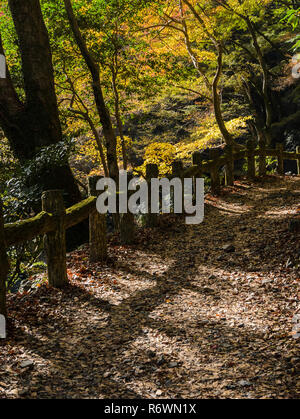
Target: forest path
column 188, row 312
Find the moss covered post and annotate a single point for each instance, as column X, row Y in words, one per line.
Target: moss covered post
column 298, row 160
column 55, row 242
column 127, row 223
column 214, row 172
column 262, row 158
column 250, row 160
column 4, row 267
column 97, row 227
column 280, row 168
column 152, row 172
column 229, row 168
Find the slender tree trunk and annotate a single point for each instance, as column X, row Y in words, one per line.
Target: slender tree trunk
column 268, row 105
column 119, row 121
column 100, row 146
column 216, row 99
column 87, row 118
column 215, row 85
column 256, row 102
column 110, row 137
column 266, row 84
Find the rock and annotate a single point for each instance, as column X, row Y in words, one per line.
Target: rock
column 27, row 364
column 173, row 364
column 244, row 383
column 168, row 383
column 230, row 387
column 161, row 360
column 208, row 290
column 151, row 354
column 228, row 248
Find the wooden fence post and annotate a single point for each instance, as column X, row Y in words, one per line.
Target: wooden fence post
column 152, row 172
column 250, row 160
column 229, row 167
column 298, row 160
column 4, row 267
column 127, row 224
column 55, row 242
column 280, row 169
column 177, row 168
column 214, row 172
column 177, row 172
column 97, row 227
column 262, row 158
column 197, row 161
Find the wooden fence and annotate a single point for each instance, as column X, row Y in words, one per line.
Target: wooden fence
column 54, row 219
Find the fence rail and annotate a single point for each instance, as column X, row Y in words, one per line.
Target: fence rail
column 54, row 220
column 44, row 222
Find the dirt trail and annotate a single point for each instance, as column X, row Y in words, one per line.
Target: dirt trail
column 188, row 312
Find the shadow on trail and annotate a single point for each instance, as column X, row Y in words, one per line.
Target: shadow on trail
column 97, row 370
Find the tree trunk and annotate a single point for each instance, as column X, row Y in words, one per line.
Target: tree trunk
column 110, row 137
column 215, row 85
column 35, row 123
column 266, row 84
column 216, row 99
column 55, row 241
column 119, row 121
column 3, row 265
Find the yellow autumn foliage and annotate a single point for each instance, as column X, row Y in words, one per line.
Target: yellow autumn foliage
column 163, row 154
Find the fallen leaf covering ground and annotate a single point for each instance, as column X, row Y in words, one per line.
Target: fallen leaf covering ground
column 188, row 312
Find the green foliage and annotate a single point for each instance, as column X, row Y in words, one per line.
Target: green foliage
column 19, row 199
column 292, row 17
